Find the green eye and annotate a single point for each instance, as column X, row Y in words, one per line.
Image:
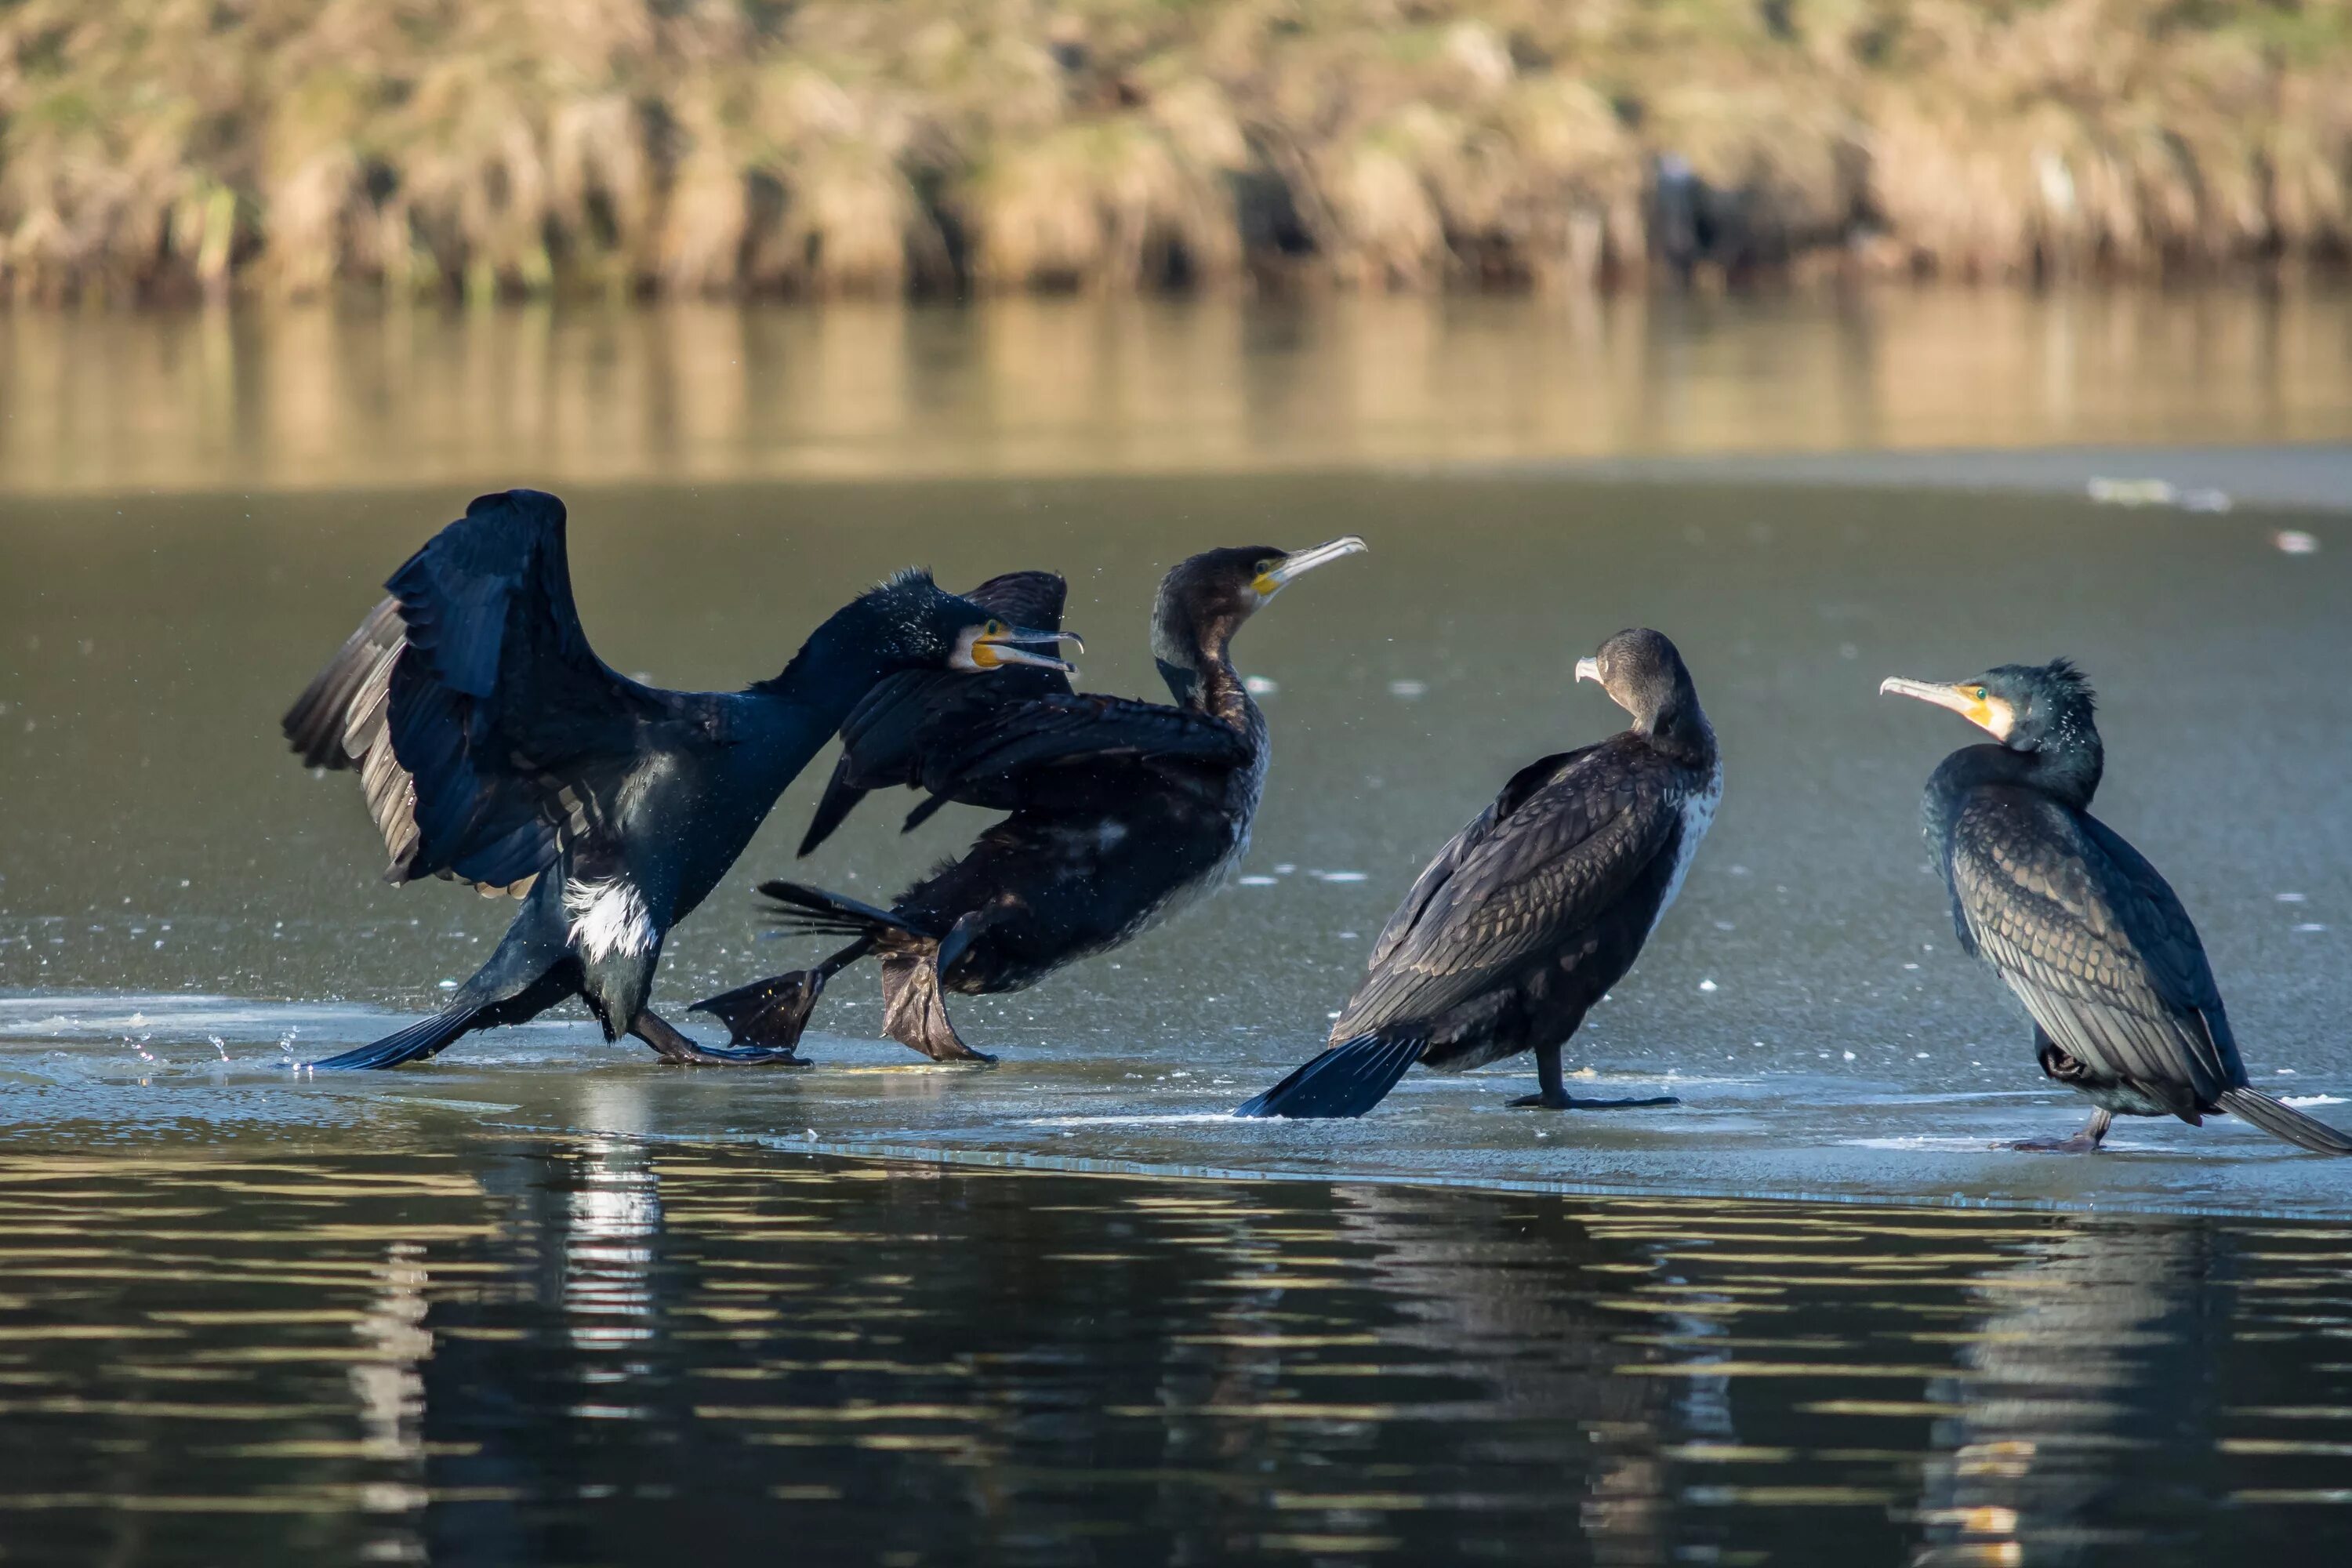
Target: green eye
column 996, row 629
column 1265, row 566
column 1980, row 693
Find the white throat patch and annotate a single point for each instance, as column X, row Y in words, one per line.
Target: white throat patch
column 607, row 916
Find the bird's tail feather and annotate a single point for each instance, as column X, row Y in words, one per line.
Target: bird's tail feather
column 814, row 911
column 1346, row 1081
column 415, row 1043
column 2286, row 1121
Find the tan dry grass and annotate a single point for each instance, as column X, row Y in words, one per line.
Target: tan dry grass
column 173, row 148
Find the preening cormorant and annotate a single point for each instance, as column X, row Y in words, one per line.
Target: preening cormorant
column 1121, row 811
column 2081, row 928
column 1533, row 911
column 498, row 750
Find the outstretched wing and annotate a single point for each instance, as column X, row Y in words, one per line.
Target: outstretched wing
column 2095, row 942
column 1567, row 837
column 1067, row 746
column 466, row 691
column 884, row 738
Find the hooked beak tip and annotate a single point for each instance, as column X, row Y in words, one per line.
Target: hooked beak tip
column 1300, row 562
column 1588, row 670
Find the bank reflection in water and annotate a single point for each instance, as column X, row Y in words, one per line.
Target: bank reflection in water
column 318, row 397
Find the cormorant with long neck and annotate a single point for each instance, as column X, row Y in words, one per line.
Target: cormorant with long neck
column 1121, row 811
column 2082, row 929
column 498, row 750
column 1531, row 913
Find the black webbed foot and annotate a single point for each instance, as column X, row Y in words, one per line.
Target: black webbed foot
column 2074, row 1143
column 677, row 1048
column 2085, row 1141
column 767, row 1014
column 1546, row 1101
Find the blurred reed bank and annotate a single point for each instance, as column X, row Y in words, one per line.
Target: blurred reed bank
column 168, row 149
column 319, row 397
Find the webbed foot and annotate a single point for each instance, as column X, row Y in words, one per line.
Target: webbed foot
column 2085, row 1141
column 675, row 1047
column 768, row 1014
column 1545, row 1101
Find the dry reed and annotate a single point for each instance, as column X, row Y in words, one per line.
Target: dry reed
column 173, row 149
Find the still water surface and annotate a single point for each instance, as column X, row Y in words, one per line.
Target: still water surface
column 544, row 1297
column 438, row 1339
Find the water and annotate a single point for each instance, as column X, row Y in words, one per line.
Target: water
column 544, row 1297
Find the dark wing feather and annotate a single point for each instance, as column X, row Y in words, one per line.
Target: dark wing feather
column 1020, row 757
column 317, row 726
column 1448, row 860
column 462, row 693
column 883, row 739
column 2096, row 944
column 1515, row 883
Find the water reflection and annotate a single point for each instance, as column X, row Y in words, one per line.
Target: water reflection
column 314, row 398
column 591, row 1347
column 2096, row 1368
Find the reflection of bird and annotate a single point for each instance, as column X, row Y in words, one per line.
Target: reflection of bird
column 497, row 748
column 2086, row 933
column 1535, row 909
column 2098, row 1368
column 1121, row 812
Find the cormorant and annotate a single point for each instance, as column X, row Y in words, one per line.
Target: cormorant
column 498, row 750
column 1533, row 911
column 1122, row 811
column 2081, row 928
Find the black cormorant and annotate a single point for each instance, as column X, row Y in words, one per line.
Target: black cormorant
column 1121, row 811
column 498, row 750
column 2085, row 932
column 1533, row 911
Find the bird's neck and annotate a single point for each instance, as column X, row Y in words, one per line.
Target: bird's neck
column 841, row 661
column 1198, row 666
column 2068, row 774
column 1682, row 732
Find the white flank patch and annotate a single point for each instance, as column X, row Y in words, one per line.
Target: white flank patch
column 608, row 917
column 1699, row 815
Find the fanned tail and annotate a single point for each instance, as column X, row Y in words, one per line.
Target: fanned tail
column 1346, row 1081
column 814, row 911
column 415, row 1043
column 2286, row 1121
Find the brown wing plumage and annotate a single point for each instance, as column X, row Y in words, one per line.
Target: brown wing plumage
column 1534, row 868
column 2096, row 944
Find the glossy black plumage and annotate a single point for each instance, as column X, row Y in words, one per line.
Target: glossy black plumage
column 497, row 748
column 1119, row 811
column 2079, row 926
column 1535, row 909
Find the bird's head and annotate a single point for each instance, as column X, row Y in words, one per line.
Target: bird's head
column 1204, row 599
column 2026, row 707
column 908, row 622
column 1644, row 674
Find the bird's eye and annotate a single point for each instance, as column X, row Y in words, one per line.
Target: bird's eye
column 1980, row 693
column 1265, row 566
column 996, row 629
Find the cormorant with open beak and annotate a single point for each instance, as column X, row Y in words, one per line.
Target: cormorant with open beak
column 2081, row 928
column 498, row 750
column 1533, row 911
column 1121, row 812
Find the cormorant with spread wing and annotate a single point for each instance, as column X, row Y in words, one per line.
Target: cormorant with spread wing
column 1122, row 810
column 497, row 748
column 1533, row 911
column 2079, row 926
